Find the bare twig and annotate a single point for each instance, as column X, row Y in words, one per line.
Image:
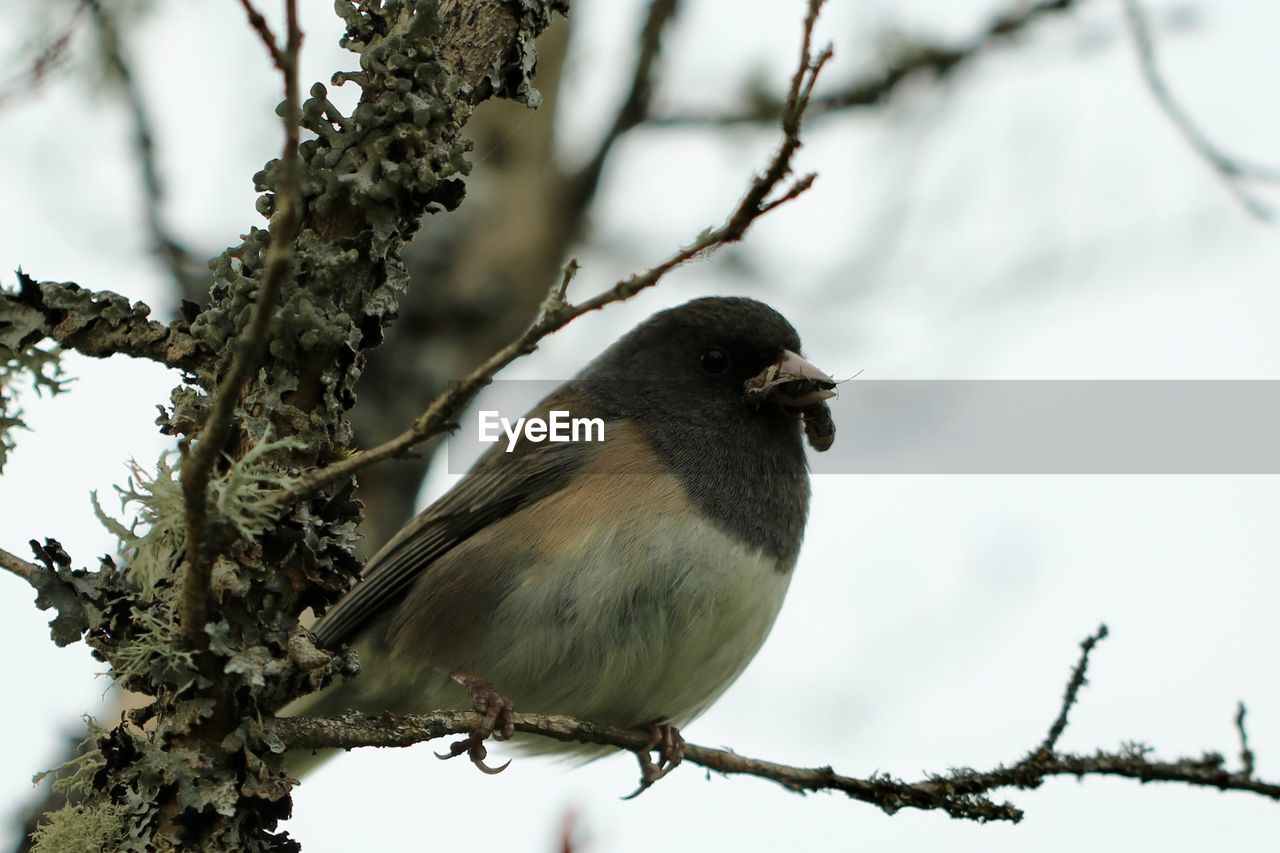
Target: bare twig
column 1077, row 681
column 876, row 87
column 959, row 793
column 184, row 267
column 17, row 565
column 759, row 199
column 634, row 109
column 1233, row 171
column 198, row 464
column 1246, row 754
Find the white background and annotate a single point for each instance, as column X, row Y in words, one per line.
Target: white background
column 1036, row 218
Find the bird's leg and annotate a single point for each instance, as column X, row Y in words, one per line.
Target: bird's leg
column 669, row 744
column 497, row 721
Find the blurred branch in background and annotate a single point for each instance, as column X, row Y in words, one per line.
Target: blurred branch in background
column 1236, row 174
column 39, row 60
column 961, row 793
column 187, row 271
column 910, row 59
column 581, row 186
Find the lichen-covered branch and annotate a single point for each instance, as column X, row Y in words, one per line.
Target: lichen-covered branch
column 962, row 793
column 95, row 323
column 764, row 193
column 197, row 467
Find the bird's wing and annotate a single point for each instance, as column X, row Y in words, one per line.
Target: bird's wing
column 500, row 484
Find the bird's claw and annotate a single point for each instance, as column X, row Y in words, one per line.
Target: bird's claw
column 473, row 746
column 498, row 721
column 669, row 744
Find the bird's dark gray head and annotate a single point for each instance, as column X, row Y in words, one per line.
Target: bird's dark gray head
column 692, row 360
column 681, row 375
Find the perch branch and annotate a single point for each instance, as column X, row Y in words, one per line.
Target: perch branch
column 961, row 793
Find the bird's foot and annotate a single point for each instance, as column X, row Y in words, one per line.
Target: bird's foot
column 666, row 740
column 497, row 720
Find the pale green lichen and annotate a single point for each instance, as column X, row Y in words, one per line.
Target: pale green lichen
column 154, row 649
column 240, row 496
column 34, row 369
column 75, row 777
column 152, row 555
column 87, row 828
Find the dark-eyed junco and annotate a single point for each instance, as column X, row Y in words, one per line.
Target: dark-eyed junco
column 625, row 581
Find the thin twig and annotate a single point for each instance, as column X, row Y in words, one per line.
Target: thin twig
column 917, row 58
column 959, row 793
column 19, row 566
column 198, row 465
column 1072, row 693
column 557, row 313
column 1233, row 171
column 1246, row 754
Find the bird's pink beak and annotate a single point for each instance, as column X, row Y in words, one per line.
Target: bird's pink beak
column 809, row 386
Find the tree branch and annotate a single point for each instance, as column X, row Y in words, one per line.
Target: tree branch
column 961, row 793
column 1233, row 171
column 556, row 313
column 197, row 466
column 97, row 324
column 19, row 566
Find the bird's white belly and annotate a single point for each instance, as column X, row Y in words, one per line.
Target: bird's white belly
column 622, row 630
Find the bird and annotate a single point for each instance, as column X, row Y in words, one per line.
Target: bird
column 628, row 580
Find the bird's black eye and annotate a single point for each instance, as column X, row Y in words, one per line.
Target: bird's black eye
column 714, row 361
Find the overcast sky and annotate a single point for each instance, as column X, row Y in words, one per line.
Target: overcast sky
column 1038, row 218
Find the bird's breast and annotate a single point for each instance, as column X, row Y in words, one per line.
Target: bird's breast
column 641, row 617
